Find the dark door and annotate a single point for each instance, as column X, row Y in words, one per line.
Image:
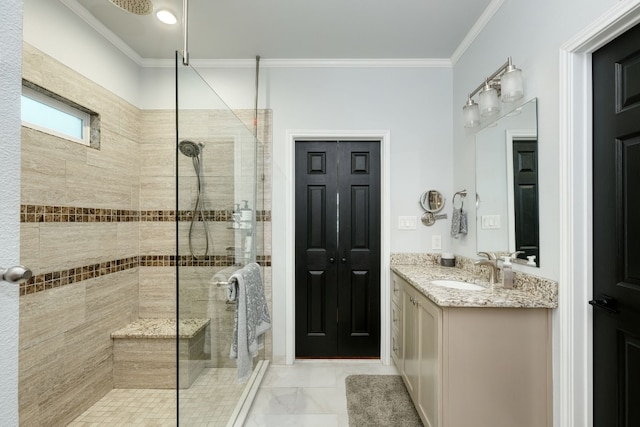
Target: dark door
column 616, row 232
column 525, row 187
column 337, row 265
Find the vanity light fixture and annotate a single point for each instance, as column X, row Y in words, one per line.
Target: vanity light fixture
column 505, row 84
column 471, row 113
column 166, row 16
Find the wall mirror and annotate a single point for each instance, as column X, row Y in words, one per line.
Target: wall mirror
column 507, row 210
column 432, row 201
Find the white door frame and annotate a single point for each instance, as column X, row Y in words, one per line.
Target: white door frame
column 573, row 335
column 384, row 137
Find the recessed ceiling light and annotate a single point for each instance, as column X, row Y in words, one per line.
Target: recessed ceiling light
column 167, row 17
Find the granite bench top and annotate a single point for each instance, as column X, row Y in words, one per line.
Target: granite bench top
column 161, row 328
column 532, row 294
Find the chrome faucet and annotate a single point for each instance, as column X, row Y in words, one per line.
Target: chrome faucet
column 492, row 262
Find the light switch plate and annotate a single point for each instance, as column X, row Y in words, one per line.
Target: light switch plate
column 407, row 223
column 436, row 242
column 490, row 222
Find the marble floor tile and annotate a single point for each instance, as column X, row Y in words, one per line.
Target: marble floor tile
column 268, row 420
column 308, row 393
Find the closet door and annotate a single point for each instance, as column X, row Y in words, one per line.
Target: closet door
column 337, row 263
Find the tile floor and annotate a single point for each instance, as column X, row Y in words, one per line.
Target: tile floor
column 209, row 402
column 305, row 394
column 308, row 393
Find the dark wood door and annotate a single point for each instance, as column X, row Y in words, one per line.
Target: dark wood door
column 616, row 232
column 525, row 187
column 337, row 266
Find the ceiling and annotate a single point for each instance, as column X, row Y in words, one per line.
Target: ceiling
column 292, row 29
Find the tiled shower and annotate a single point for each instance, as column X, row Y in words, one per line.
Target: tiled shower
column 98, row 230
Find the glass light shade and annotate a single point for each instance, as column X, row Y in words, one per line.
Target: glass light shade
column 471, row 114
column 489, row 104
column 511, row 85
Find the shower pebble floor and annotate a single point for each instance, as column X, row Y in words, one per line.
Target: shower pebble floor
column 209, row 402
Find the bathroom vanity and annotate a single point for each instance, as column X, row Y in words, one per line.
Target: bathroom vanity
column 471, row 357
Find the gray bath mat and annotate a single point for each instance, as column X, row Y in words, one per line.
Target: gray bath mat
column 379, row 401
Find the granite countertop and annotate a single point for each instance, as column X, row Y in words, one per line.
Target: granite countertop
column 420, row 277
column 160, row 328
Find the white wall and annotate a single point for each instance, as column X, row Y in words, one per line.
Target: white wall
column 536, row 31
column 532, row 33
column 10, row 84
column 55, row 29
column 413, row 104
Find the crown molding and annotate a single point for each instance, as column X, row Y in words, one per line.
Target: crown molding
column 475, row 30
column 328, row 63
column 305, row 63
column 105, row 32
column 83, row 13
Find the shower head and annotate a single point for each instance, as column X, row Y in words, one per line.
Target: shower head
column 190, row 148
column 137, row 7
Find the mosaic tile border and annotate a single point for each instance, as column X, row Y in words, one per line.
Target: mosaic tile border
column 43, row 213
column 56, row 279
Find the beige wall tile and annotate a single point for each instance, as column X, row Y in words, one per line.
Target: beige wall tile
column 67, row 245
column 159, row 193
column 158, row 159
column 64, row 331
column 45, row 315
column 157, row 238
column 157, row 292
column 30, row 246
column 112, row 301
column 127, row 239
column 39, row 370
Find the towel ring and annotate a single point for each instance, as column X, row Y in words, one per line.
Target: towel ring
column 462, row 195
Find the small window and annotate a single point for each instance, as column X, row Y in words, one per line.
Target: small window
column 53, row 116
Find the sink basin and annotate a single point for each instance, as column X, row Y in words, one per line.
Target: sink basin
column 454, row 284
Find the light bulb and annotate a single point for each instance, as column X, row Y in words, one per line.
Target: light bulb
column 167, row 17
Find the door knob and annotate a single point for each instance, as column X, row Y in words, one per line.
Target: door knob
column 605, row 303
column 16, row 274
column 343, row 260
column 332, row 260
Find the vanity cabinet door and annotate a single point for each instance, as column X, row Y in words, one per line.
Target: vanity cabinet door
column 396, row 335
column 411, row 367
column 430, row 361
column 396, row 321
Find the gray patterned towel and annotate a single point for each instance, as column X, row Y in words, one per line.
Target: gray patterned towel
column 458, row 222
column 251, row 319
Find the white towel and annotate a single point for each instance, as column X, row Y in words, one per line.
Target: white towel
column 251, row 319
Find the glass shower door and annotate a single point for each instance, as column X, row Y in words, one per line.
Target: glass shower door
column 217, row 232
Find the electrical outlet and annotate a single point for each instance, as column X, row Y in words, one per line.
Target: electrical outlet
column 407, row 223
column 436, row 242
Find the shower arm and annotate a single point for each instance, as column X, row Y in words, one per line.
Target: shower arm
column 185, row 28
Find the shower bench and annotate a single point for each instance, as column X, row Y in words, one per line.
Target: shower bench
column 144, row 353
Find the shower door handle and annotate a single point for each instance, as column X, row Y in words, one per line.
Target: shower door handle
column 16, row 274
